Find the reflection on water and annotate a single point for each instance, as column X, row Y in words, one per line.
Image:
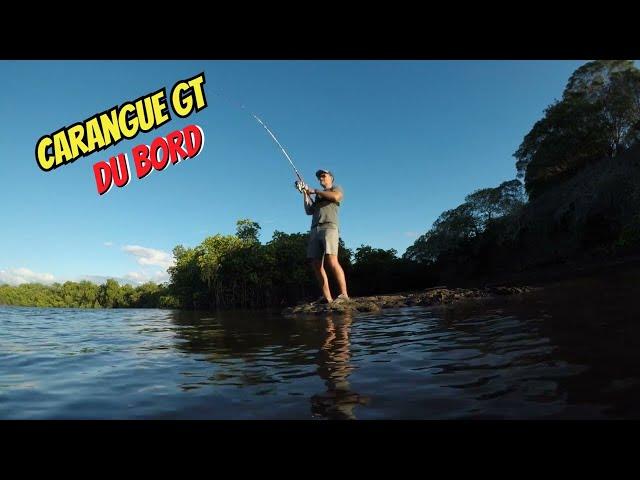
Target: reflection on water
column 334, row 367
column 571, row 351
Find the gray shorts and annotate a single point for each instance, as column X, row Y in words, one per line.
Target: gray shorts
column 322, row 241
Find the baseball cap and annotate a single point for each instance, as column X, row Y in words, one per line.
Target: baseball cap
column 323, row 171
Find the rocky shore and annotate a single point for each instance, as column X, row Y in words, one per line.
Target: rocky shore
column 429, row 297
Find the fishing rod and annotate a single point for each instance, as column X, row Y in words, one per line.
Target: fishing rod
column 299, row 185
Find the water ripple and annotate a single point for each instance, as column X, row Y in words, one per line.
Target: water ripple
column 497, row 359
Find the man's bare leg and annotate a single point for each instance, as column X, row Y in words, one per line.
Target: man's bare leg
column 323, row 281
column 334, row 265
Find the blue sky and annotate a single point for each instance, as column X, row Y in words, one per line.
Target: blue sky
column 405, row 139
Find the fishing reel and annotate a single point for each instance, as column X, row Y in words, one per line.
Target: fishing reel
column 300, row 186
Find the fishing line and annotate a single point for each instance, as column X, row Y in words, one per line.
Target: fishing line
column 259, row 120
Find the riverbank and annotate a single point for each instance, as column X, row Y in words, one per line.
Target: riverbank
column 429, row 297
column 610, row 270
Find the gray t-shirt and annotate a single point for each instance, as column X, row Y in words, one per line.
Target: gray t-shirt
column 325, row 212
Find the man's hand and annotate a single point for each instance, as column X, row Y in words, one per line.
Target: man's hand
column 300, row 186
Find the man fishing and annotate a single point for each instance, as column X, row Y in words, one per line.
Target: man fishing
column 324, row 233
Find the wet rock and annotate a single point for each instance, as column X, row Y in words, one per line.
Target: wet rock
column 431, row 296
column 363, row 304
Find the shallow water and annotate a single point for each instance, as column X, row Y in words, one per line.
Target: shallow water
column 566, row 352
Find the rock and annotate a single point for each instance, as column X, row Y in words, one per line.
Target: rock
column 368, row 307
column 428, row 297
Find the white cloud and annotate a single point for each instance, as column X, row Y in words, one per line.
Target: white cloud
column 132, row 278
column 100, row 279
column 16, row 276
column 150, row 256
column 143, row 277
column 136, row 276
column 144, row 256
column 411, row 234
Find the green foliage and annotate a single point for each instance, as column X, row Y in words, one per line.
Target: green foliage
column 169, row 301
column 226, row 271
column 372, row 269
column 590, row 78
column 598, row 116
column 571, row 134
column 110, row 295
column 289, row 272
column 84, row 294
column 248, row 230
column 376, row 271
column 187, row 284
column 457, row 228
column 366, row 254
column 488, row 204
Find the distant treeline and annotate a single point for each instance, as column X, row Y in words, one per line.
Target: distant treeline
column 227, row 271
column 580, row 199
column 86, row 295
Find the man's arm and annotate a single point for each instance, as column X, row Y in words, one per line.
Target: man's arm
column 328, row 195
column 308, row 203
